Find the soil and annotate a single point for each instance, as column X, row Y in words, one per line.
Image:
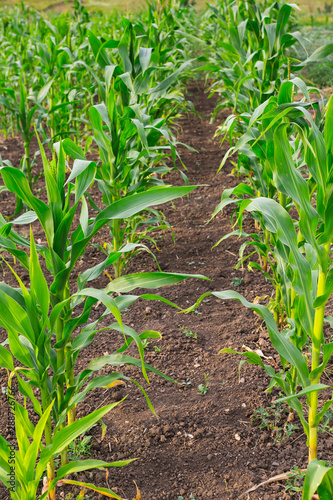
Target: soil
column 204, row 445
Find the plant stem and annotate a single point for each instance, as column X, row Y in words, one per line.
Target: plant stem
column 116, row 245
column 282, row 199
column 316, row 348
column 48, row 440
column 60, row 387
column 277, row 305
column 265, row 258
column 70, row 374
column 27, row 164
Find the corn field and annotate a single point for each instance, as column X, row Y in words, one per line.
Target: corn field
column 102, row 190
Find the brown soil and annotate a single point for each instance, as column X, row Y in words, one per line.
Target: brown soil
column 204, row 445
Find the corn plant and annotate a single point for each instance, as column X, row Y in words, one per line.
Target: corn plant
column 132, row 149
column 250, row 58
column 304, row 246
column 40, row 321
column 24, row 115
column 24, row 470
column 31, row 324
column 256, row 159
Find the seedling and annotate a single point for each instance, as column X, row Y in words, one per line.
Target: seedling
column 325, row 426
column 80, row 448
column 203, row 388
column 188, row 332
column 236, row 281
column 295, row 481
column 272, row 419
column 145, row 344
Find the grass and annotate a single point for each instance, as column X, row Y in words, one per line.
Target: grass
column 128, row 6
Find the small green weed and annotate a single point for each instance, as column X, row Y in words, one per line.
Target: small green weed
column 188, row 332
column 203, row 388
column 325, row 424
column 145, row 344
column 295, row 481
column 272, row 419
column 236, row 281
column 80, row 448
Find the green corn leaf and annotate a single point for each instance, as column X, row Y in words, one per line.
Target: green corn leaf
column 328, row 133
column 144, row 57
column 6, row 359
column 136, row 203
column 304, row 392
column 79, row 167
column 317, row 55
column 99, row 52
column 314, row 481
column 104, row 298
column 320, row 415
column 73, row 150
column 17, row 183
column 289, row 181
column 65, row 436
column 45, row 90
column 14, row 317
column 19, row 351
column 82, row 465
column 129, row 282
column 27, row 391
column 33, row 450
column 120, row 359
column 94, row 272
column 277, row 220
column 327, row 353
column 162, row 87
column 39, row 285
column 104, row 491
column 84, row 179
column 322, row 299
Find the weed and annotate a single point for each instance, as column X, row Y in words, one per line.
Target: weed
column 272, row 419
column 295, row 481
column 325, row 426
column 236, row 281
column 203, row 388
column 80, row 448
column 145, row 344
column 188, row 332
